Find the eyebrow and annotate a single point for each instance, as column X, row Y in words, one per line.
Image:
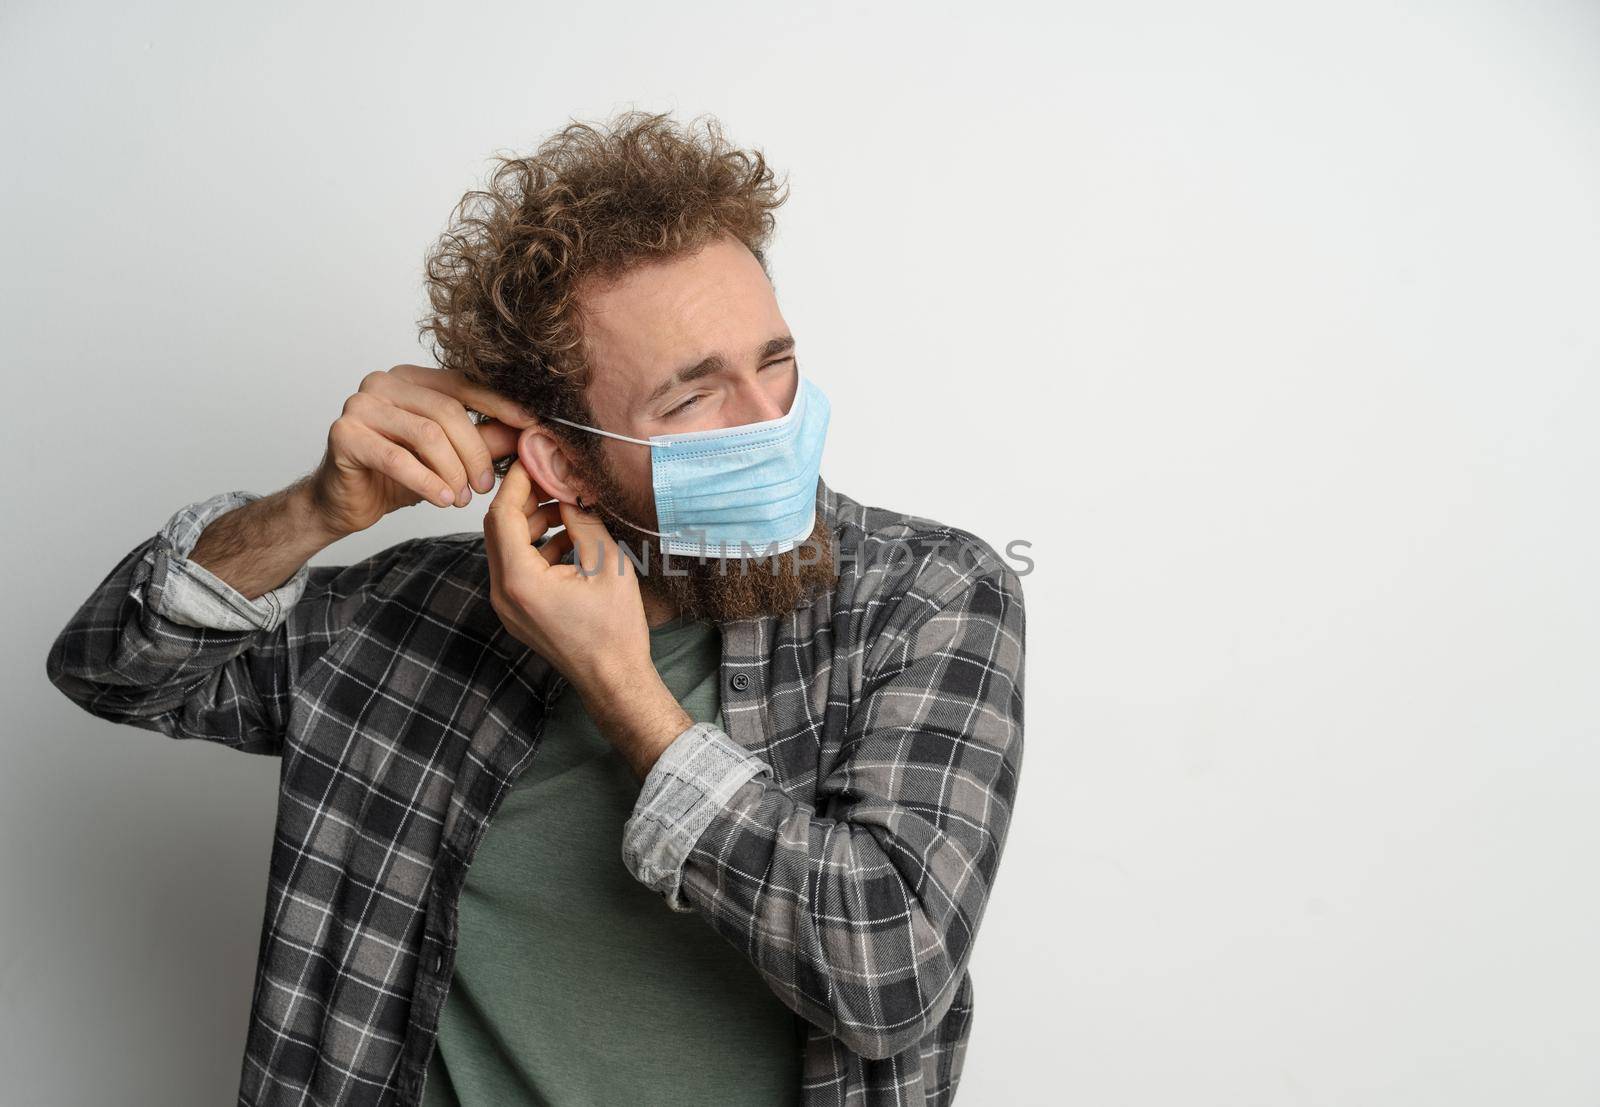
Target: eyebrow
column 716, row 363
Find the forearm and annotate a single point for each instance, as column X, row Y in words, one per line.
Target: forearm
column 256, row 547
column 861, row 925
column 160, row 644
column 156, row 645
column 637, row 714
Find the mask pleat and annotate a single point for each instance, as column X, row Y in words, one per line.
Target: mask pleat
column 725, row 489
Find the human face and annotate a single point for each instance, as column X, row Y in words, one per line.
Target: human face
column 688, row 344
column 694, row 343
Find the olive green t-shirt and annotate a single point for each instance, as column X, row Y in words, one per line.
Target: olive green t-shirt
column 575, row 984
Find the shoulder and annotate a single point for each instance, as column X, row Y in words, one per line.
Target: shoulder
column 451, row 562
column 425, row 555
column 441, row 577
column 413, row 568
column 913, row 564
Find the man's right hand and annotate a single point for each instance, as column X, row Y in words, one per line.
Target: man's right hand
column 406, row 436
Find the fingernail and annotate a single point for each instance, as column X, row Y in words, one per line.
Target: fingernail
column 463, row 497
column 446, row 497
column 486, row 480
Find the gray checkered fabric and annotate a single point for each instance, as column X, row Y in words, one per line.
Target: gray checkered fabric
column 844, row 832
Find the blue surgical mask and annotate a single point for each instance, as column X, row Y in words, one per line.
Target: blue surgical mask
column 720, row 491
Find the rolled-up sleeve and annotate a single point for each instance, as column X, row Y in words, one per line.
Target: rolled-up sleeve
column 192, row 595
column 689, row 784
column 163, row 644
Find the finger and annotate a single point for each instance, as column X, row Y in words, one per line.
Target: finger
column 589, row 536
column 556, row 547
column 460, row 433
column 541, row 518
column 417, row 433
column 371, row 450
column 584, row 525
column 454, row 383
column 498, row 438
column 540, row 496
column 508, row 538
column 502, row 442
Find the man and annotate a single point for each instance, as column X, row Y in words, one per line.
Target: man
column 698, row 799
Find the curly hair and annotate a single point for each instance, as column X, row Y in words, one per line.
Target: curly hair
column 588, row 204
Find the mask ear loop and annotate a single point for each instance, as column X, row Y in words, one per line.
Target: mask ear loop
column 611, row 434
column 620, row 519
column 799, row 385
column 620, row 438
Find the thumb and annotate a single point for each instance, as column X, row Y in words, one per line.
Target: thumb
column 588, row 533
column 500, row 439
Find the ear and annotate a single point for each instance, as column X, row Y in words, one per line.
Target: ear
column 545, row 459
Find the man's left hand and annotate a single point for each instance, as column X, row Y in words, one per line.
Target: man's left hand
column 586, row 618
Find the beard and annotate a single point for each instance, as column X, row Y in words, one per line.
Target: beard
column 721, row 589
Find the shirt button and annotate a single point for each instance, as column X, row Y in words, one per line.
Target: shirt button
column 438, row 962
column 740, row 682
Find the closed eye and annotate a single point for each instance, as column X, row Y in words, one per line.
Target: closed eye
column 689, row 403
column 683, row 407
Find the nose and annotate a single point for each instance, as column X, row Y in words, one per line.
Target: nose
column 757, row 404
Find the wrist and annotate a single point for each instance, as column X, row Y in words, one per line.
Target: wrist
column 301, row 505
column 638, row 715
column 260, row 545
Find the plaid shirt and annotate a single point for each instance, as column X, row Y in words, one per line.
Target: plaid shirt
column 844, row 832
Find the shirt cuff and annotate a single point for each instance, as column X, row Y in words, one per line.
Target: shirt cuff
column 190, row 594
column 689, row 784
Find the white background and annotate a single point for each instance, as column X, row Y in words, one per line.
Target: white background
column 1271, row 326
